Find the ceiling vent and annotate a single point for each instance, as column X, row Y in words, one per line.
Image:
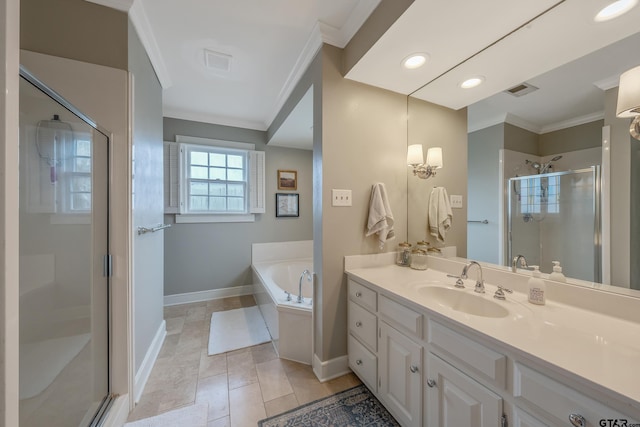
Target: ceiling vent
column 521, row 89
column 217, row 61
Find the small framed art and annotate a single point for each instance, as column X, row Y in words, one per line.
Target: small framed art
column 287, row 205
column 287, row 180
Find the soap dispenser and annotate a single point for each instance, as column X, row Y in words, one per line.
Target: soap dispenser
column 557, row 273
column 536, row 287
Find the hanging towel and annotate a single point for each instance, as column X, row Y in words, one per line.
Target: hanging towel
column 439, row 217
column 380, row 216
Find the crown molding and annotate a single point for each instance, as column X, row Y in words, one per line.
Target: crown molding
column 521, row 123
column 608, row 83
column 576, row 121
column 491, row 121
column 141, row 23
column 194, row 116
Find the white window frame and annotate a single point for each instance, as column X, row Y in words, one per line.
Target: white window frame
column 177, row 180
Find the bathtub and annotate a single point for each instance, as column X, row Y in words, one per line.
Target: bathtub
column 289, row 322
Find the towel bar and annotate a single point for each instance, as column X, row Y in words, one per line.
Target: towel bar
column 144, row 230
column 484, row 221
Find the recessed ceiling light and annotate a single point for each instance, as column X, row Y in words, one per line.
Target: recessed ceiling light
column 472, row 82
column 415, row 60
column 615, row 9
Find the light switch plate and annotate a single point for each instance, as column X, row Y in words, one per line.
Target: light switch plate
column 340, row 197
column 456, row 201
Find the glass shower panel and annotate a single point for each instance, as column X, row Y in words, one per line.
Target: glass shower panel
column 64, row 335
column 554, row 217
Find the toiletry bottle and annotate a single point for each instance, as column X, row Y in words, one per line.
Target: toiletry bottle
column 557, row 273
column 536, row 287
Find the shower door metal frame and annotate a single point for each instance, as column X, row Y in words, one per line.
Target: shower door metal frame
column 597, row 214
column 107, row 402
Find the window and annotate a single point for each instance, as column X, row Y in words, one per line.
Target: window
column 213, row 181
column 76, row 178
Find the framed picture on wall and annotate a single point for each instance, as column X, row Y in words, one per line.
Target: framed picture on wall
column 287, row 180
column 287, row 205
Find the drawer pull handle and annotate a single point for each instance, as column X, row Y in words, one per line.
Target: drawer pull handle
column 431, row 383
column 577, row 420
column 358, row 324
column 358, row 294
column 358, row 362
column 413, row 369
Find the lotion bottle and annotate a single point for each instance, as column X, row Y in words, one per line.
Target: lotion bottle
column 557, row 273
column 536, row 287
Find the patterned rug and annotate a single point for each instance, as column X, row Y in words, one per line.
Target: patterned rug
column 353, row 407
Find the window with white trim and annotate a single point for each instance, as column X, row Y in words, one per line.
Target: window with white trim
column 213, row 180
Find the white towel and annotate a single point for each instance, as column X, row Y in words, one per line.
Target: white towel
column 380, row 216
column 439, row 217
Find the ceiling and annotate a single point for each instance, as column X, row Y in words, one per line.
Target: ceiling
column 269, row 44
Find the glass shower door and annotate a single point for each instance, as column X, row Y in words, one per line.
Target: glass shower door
column 555, row 217
column 64, row 334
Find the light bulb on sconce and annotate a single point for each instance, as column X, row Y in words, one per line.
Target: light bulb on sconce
column 415, row 159
column 629, row 99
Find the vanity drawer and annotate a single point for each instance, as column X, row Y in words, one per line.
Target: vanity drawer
column 558, row 400
column 469, row 355
column 363, row 295
column 363, row 363
column 363, row 325
column 400, row 316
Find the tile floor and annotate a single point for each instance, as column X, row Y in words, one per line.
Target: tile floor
column 241, row 386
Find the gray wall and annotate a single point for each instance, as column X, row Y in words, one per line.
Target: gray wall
column 202, row 257
column 75, row 29
column 483, row 167
column 148, row 206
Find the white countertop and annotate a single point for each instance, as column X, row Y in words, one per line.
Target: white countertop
column 602, row 349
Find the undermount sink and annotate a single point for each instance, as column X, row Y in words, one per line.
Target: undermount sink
column 464, row 301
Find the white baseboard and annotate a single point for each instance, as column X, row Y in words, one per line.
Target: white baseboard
column 118, row 413
column 189, row 297
column 330, row 369
column 149, row 360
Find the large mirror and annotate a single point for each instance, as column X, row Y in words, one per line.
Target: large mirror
column 573, row 166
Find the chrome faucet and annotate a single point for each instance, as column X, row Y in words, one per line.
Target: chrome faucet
column 519, row 259
column 309, row 277
column 479, row 282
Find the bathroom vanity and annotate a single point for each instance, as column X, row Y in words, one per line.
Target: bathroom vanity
column 436, row 355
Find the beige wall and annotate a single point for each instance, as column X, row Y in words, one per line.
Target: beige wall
column 435, row 126
column 587, row 135
column 518, row 139
column 620, row 190
column 9, row 300
column 75, row 29
column 363, row 142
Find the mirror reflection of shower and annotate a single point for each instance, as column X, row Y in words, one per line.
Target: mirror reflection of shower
column 543, row 167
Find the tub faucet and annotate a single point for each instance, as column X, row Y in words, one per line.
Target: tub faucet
column 479, row 282
column 309, row 277
column 519, row 259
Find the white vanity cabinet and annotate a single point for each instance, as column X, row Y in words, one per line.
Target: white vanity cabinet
column 400, row 366
column 429, row 371
column 454, row 399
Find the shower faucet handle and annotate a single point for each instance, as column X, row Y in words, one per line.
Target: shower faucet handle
column 288, row 295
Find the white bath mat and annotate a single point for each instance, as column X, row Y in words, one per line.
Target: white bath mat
column 234, row 329
column 42, row 361
column 192, row 416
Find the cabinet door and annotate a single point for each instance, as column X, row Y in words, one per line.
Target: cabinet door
column 400, row 376
column 454, row 399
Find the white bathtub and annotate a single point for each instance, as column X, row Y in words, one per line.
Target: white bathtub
column 289, row 322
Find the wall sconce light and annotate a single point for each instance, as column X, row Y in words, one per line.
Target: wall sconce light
column 421, row 169
column 629, row 99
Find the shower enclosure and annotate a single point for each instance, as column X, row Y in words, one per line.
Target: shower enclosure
column 64, row 266
column 556, row 217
